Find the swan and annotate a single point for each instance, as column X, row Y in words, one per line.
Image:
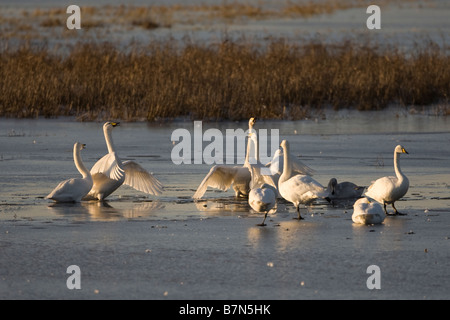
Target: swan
column 387, row 190
column 73, row 190
column 109, row 173
column 367, row 211
column 343, row 190
column 276, row 166
column 263, row 191
column 222, row 176
column 298, row 188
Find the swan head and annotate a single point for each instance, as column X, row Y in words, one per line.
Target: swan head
column 332, row 185
column 284, row 144
column 109, row 125
column 80, row 146
column 400, row 149
column 251, row 122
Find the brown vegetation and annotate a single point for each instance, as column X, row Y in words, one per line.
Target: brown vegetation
column 226, row 81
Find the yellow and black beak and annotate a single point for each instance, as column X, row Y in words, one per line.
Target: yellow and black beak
column 404, row 151
column 114, row 124
column 84, row 146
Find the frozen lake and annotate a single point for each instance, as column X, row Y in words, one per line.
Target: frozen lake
column 37, row 154
column 170, row 247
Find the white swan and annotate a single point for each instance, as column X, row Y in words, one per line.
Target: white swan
column 298, row 188
column 109, row 173
column 387, row 190
column 276, row 166
column 222, row 177
column 263, row 191
column 73, row 190
column 366, row 211
column 343, row 190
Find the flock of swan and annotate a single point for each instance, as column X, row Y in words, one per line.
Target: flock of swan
column 289, row 179
column 107, row 174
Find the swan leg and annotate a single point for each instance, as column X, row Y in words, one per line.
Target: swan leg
column 385, row 210
column 262, row 224
column 298, row 213
column 396, row 211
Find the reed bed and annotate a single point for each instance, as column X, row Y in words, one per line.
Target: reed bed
column 229, row 80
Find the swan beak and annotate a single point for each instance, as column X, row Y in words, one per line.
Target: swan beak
column 404, row 151
column 84, row 146
column 114, row 124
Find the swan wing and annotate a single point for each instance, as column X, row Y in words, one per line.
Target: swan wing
column 258, row 180
column 299, row 167
column 70, row 190
column 110, row 166
column 140, row 179
column 219, row 177
column 277, row 162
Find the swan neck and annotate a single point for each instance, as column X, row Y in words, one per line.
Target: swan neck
column 79, row 163
column 398, row 171
column 256, row 147
column 286, row 163
column 249, row 141
column 109, row 140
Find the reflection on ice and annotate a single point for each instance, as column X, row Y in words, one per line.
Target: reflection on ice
column 104, row 211
column 223, row 205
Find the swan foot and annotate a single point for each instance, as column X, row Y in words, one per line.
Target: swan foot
column 396, row 213
column 262, row 224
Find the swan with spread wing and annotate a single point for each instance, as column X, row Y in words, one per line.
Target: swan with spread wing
column 109, row 173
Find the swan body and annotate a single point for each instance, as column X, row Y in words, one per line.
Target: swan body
column 367, row 212
column 73, row 190
column 263, row 191
column 343, row 190
column 109, row 173
column 222, row 177
column 387, row 190
column 298, row 188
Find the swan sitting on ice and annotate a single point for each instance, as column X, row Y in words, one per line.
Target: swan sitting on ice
column 298, row 188
column 387, row 190
column 222, row 177
column 263, row 191
column 343, row 190
column 367, row 211
column 73, row 190
column 109, row 173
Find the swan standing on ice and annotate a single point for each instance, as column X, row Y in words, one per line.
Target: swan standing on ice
column 299, row 188
column 343, row 190
column 73, row 190
column 222, row 177
column 366, row 211
column 109, row 173
column 387, row 190
column 263, row 191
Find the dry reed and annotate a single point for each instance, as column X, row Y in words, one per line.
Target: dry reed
column 230, row 80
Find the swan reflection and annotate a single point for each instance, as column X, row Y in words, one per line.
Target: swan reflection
column 223, row 205
column 104, row 211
